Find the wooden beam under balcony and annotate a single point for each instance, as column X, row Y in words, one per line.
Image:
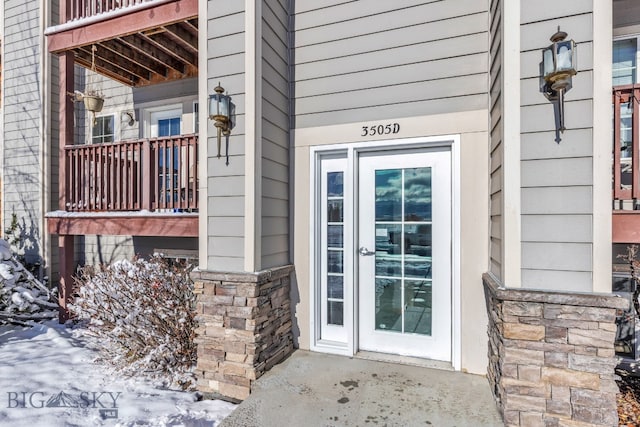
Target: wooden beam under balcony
column 153, row 44
column 169, row 225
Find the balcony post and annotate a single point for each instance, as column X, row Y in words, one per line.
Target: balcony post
column 635, row 154
column 65, row 243
column 65, row 10
column 147, row 175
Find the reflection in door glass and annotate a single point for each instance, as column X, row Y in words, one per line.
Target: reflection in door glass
column 403, row 231
column 335, row 248
column 389, row 305
column 389, row 195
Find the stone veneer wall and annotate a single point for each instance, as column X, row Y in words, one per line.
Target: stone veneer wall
column 551, row 356
column 244, row 328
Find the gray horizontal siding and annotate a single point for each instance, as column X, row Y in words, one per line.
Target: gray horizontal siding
column 556, row 178
column 22, row 109
column 225, row 196
column 392, row 59
column 275, row 133
column 497, row 148
column 625, row 13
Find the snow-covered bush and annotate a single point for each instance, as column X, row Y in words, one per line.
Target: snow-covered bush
column 22, row 297
column 143, row 316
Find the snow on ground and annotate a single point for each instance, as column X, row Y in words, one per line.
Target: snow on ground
column 48, row 378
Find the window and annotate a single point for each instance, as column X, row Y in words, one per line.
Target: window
column 103, row 130
column 169, row 127
column 625, row 65
column 625, row 54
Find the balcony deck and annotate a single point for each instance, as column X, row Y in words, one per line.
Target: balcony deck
column 146, row 187
column 137, row 42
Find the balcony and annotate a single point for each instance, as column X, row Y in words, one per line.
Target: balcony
column 136, row 42
column 81, row 9
column 143, row 175
column 626, row 164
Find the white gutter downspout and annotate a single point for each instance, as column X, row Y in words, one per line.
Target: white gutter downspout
column 45, row 152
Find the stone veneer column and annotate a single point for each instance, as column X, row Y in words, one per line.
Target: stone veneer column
column 244, row 328
column 551, row 356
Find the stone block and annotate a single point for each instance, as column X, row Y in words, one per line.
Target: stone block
column 222, row 299
column 592, row 338
column 207, row 365
column 237, row 323
column 529, row 373
column 519, row 331
column 555, row 334
column 235, row 347
column 586, row 351
column 578, row 312
column 595, row 415
column 226, row 289
column 236, row 380
column 525, row 388
column 234, row 391
column 240, row 301
column 559, row 407
column 247, row 290
column 606, row 326
column 598, row 365
column 550, row 421
column 517, row 308
column 560, row 393
column 572, row 423
column 514, row 402
column 523, row 356
column 214, row 331
column 570, row 378
column 243, row 312
column 511, row 418
column 233, row 368
column 606, row 352
column 214, row 309
column 595, row 399
column 531, row 419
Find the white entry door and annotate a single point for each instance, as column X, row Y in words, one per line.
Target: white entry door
column 404, row 253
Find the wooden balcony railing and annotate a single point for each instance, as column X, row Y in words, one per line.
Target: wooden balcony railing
column 626, row 143
column 80, row 9
column 150, row 174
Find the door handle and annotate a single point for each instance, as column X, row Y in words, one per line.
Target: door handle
column 365, row 252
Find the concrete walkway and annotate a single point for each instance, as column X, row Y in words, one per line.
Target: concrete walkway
column 313, row 389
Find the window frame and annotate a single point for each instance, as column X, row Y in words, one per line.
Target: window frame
column 116, row 130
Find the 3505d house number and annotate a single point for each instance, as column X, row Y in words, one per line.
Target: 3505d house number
column 386, row 129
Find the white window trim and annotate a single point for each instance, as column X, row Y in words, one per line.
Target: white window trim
column 153, row 114
column 350, row 315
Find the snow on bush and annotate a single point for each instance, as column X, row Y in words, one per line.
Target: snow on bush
column 22, row 296
column 143, row 316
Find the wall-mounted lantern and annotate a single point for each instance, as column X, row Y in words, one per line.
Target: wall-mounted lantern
column 220, row 113
column 558, row 66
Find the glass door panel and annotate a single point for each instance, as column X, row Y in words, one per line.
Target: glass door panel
column 404, row 284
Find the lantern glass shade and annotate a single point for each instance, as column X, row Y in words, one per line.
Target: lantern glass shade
column 559, row 59
column 547, row 61
column 218, row 105
column 565, row 56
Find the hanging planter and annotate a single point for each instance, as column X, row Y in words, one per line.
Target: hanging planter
column 93, row 99
column 93, row 103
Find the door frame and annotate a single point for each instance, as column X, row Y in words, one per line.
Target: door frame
column 352, row 151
